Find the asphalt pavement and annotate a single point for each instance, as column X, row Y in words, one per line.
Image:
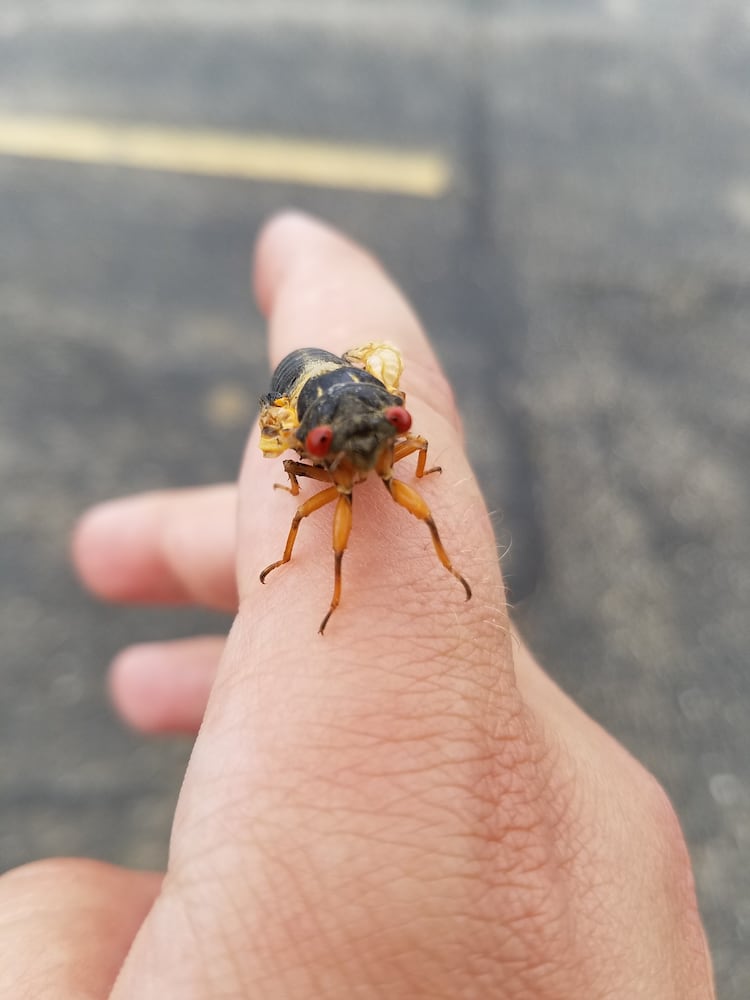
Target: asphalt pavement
column 583, row 267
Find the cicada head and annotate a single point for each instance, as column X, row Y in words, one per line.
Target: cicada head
column 278, row 425
column 350, row 420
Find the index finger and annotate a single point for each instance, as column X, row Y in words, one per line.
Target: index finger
column 321, row 290
column 337, row 296
column 407, row 705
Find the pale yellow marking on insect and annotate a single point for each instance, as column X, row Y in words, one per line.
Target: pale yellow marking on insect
column 380, row 359
column 420, row 173
column 315, row 368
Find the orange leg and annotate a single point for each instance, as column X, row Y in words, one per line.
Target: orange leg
column 294, row 469
column 308, row 507
column 342, row 526
column 415, row 443
column 413, row 502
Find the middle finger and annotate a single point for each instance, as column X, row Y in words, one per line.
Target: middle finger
column 165, row 547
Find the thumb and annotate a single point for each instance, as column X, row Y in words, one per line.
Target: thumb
column 66, row 926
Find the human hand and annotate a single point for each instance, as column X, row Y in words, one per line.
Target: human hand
column 407, row 807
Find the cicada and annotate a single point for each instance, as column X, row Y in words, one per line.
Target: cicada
column 345, row 417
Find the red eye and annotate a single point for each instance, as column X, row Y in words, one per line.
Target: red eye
column 318, row 440
column 399, row 417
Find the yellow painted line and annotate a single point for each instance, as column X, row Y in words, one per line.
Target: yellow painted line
column 227, row 154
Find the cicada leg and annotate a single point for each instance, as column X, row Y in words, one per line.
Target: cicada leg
column 415, row 442
column 294, row 469
column 342, row 526
column 413, row 502
column 304, row 510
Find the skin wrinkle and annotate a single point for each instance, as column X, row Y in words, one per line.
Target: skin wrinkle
column 228, row 951
column 525, row 886
column 398, row 721
column 412, row 621
column 410, row 952
column 497, row 829
column 376, row 575
column 600, row 894
column 178, row 908
column 453, row 654
column 293, row 929
column 316, row 935
column 511, row 753
column 370, row 936
column 304, row 779
column 559, row 787
column 438, row 690
column 449, row 666
column 221, row 825
column 565, row 810
column 408, row 676
column 376, row 794
column 382, row 832
column 410, row 613
column 366, row 743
